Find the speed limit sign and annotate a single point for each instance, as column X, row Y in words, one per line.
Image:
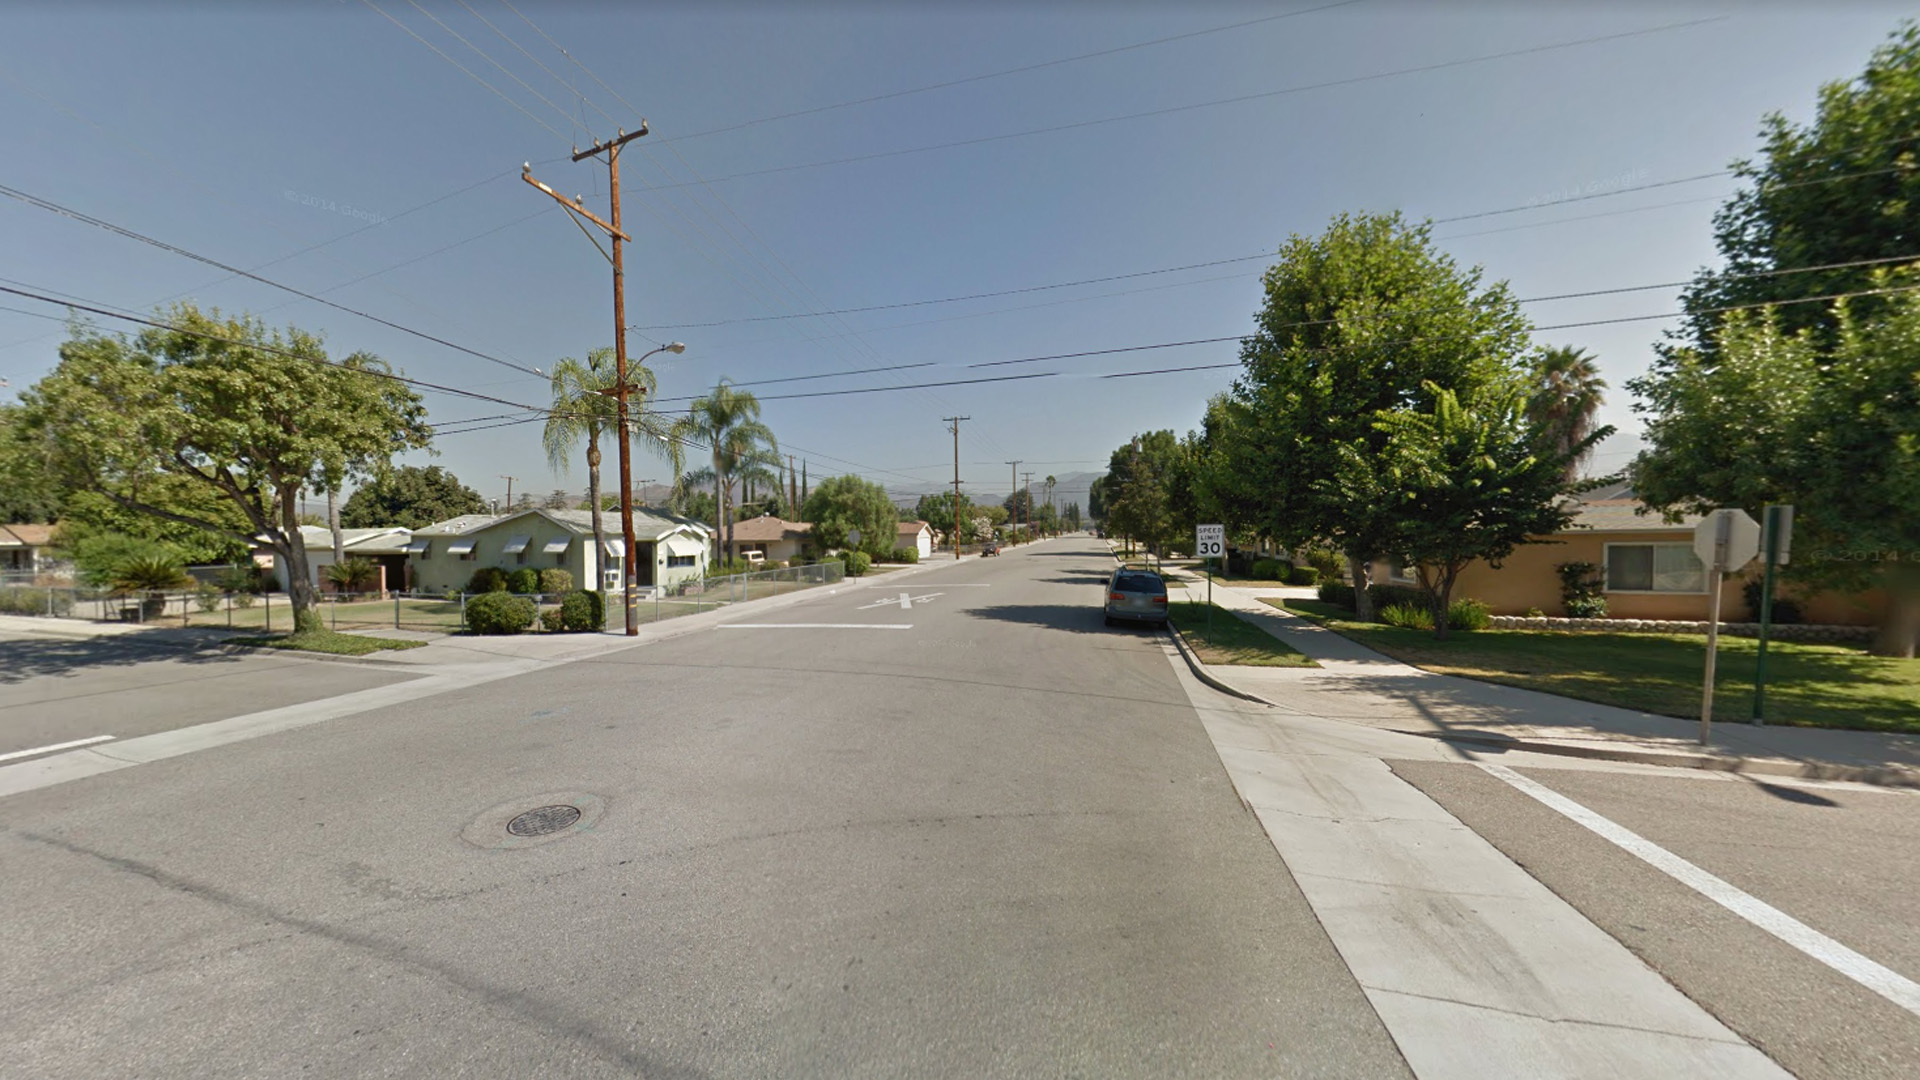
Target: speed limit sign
column 1210, row 541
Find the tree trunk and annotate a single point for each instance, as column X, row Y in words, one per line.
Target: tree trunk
column 719, row 516
column 333, row 523
column 1362, row 596
column 599, row 527
column 1442, row 605
column 293, row 548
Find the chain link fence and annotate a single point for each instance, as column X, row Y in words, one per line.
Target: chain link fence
column 446, row 614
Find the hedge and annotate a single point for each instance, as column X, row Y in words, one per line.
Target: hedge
column 500, row 613
column 583, row 611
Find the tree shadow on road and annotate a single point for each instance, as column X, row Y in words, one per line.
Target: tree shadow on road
column 26, row 658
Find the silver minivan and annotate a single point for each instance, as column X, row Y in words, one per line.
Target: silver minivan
column 1136, row 596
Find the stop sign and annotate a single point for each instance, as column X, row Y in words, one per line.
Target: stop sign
column 1728, row 538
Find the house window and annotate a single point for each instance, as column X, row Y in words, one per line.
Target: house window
column 1654, row 568
column 680, row 560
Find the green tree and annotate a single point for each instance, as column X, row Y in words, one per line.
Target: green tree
column 1566, row 394
column 845, row 504
column 1072, row 517
column 727, row 422
column 1841, row 189
column 1143, row 490
column 1464, row 481
column 27, row 493
column 1366, row 318
column 937, row 511
column 256, row 415
column 1773, row 417
column 410, row 497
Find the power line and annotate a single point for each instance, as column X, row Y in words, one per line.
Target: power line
column 437, row 51
column 88, row 219
column 1270, row 255
column 1237, row 99
column 871, row 99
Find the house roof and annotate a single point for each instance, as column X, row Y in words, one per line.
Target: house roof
column 1615, row 508
column 766, row 528
column 391, row 540
column 648, row 524
column 909, row 529
column 31, row 536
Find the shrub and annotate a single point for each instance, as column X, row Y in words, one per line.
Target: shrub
column 1587, row 607
column 1408, row 616
column 1269, row 570
column 487, row 579
column 583, row 611
column 1469, row 614
column 904, row 555
column 857, row 563
column 551, row 620
column 524, row 580
column 238, row 579
column 1334, row 592
column 1535, row 613
column 1784, row 610
column 1580, row 585
column 730, row 567
column 354, row 575
column 1303, row 575
column 19, row 600
column 142, row 573
column 556, row 581
column 1327, row 562
column 207, row 597
column 497, row 612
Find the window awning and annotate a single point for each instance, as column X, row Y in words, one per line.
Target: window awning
column 516, row 545
column 417, row 546
column 555, row 547
column 462, row 546
column 617, row 548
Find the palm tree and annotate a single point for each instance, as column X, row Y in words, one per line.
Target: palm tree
column 727, row 423
column 1566, row 394
column 584, row 409
column 1050, row 482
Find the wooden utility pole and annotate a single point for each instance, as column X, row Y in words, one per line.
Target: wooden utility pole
column 509, row 480
column 1029, row 502
column 1013, row 507
column 611, row 148
column 955, row 421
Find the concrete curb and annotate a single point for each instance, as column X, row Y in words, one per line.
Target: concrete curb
column 1875, row 775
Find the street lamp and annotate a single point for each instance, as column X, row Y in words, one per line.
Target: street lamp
column 630, row 561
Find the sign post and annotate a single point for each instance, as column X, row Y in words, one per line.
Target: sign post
column 1726, row 540
column 1776, row 539
column 1209, row 543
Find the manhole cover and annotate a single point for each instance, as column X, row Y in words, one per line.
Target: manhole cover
column 543, row 820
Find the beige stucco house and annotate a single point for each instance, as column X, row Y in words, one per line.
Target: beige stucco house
column 916, row 536
column 385, row 548
column 772, row 537
column 26, row 549
column 1647, row 565
column 444, row 555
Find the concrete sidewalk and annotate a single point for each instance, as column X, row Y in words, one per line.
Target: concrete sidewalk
column 1358, row 685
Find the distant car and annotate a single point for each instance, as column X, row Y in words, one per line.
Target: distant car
column 989, row 548
column 1138, row 596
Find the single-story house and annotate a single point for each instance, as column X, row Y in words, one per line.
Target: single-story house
column 772, row 537
column 670, row 548
column 26, row 549
column 385, row 548
column 916, row 536
column 1647, row 567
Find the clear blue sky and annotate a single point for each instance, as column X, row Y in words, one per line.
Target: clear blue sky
column 246, row 134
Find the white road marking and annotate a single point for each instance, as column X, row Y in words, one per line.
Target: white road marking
column 55, row 746
column 815, row 625
column 906, row 601
column 943, row 584
column 1884, row 981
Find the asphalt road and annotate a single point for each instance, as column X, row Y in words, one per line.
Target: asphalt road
column 57, row 689
column 1839, row 858
column 968, row 834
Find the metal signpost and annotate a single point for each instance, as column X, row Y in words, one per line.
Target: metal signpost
column 1727, row 540
column 1776, row 539
column 1210, row 543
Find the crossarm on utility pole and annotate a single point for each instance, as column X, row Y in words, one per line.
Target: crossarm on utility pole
column 573, row 206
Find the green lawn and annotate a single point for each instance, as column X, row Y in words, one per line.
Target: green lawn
column 1807, row 685
column 326, row 641
column 1232, row 640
